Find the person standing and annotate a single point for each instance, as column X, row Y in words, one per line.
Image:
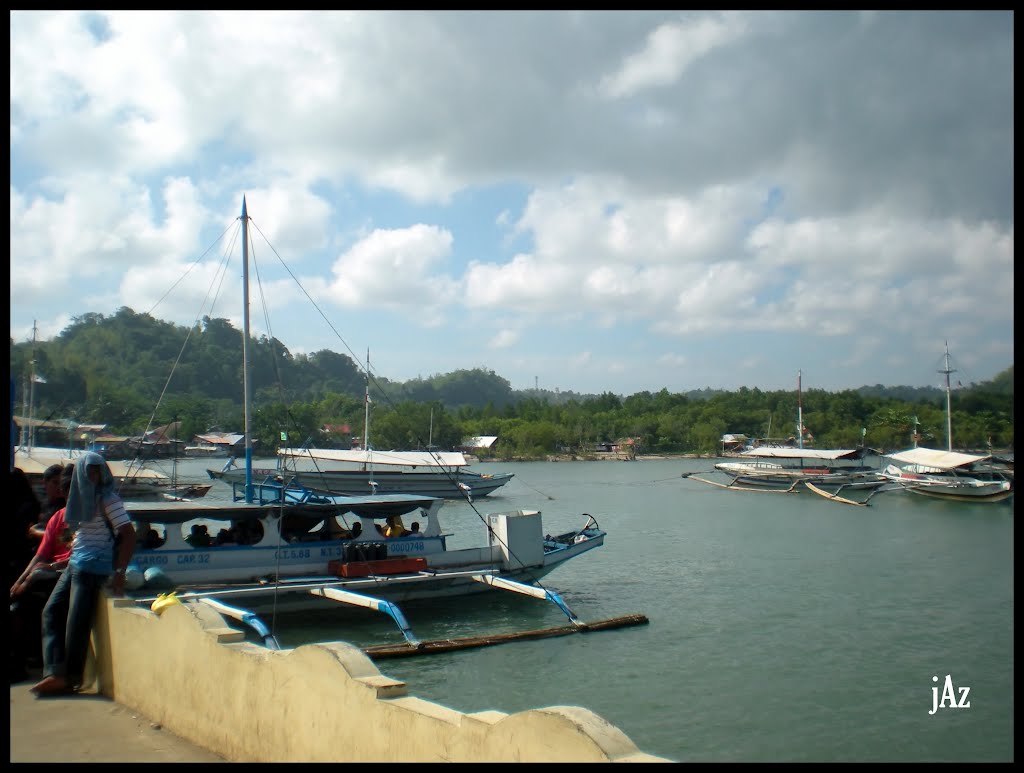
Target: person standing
column 95, row 514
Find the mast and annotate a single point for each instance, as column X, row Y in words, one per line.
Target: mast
column 799, row 411
column 949, row 405
column 23, row 435
column 368, row 458
column 366, row 407
column 246, row 379
column 30, row 430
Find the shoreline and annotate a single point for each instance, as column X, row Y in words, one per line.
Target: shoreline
column 602, row 457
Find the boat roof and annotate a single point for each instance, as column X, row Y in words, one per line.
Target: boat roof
column 362, row 456
column 930, row 457
column 369, row 506
column 787, row 452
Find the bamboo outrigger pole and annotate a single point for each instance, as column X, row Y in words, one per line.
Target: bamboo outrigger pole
column 405, row 650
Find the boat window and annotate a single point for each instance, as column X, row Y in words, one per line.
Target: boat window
column 199, row 536
column 227, row 535
column 297, row 528
column 250, row 531
column 337, row 528
column 149, row 536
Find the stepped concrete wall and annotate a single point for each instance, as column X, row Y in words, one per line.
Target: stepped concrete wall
column 189, row 671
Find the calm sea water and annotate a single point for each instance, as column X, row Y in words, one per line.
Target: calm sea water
column 783, row 627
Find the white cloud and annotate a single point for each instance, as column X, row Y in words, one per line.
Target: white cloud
column 460, row 184
column 669, row 50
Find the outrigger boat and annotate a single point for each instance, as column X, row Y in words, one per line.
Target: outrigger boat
column 291, row 549
column 788, row 469
column 840, row 467
column 820, row 471
column 286, row 547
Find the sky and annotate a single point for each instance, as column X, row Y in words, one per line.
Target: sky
column 620, row 201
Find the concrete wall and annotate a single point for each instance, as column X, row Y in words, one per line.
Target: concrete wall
column 199, row 678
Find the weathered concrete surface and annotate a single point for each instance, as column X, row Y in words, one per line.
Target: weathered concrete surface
column 205, row 686
column 90, row 728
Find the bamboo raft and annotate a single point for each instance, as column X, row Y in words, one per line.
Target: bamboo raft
column 405, row 650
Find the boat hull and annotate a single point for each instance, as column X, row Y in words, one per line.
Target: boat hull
column 233, row 575
column 950, row 486
column 770, row 475
column 994, row 491
column 358, row 482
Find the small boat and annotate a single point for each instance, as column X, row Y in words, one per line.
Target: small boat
column 947, row 474
column 187, row 491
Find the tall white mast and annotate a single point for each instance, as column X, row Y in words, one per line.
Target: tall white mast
column 368, row 466
column 949, row 405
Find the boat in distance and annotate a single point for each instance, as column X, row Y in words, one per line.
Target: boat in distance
column 443, row 474
column 948, row 474
column 783, row 466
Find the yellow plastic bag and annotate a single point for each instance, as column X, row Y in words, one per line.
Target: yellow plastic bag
column 163, row 601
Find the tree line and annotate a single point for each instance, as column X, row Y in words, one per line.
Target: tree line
column 133, row 372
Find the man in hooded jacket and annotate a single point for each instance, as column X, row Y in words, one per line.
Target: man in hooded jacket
column 96, row 516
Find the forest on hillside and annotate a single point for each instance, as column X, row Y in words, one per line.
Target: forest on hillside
column 133, row 372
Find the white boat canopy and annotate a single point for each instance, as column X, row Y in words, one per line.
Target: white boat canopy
column 394, row 458
column 940, row 460
column 786, row 452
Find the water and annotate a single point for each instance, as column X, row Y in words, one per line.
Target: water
column 783, row 627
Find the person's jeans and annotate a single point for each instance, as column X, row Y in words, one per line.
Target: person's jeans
column 67, row 623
